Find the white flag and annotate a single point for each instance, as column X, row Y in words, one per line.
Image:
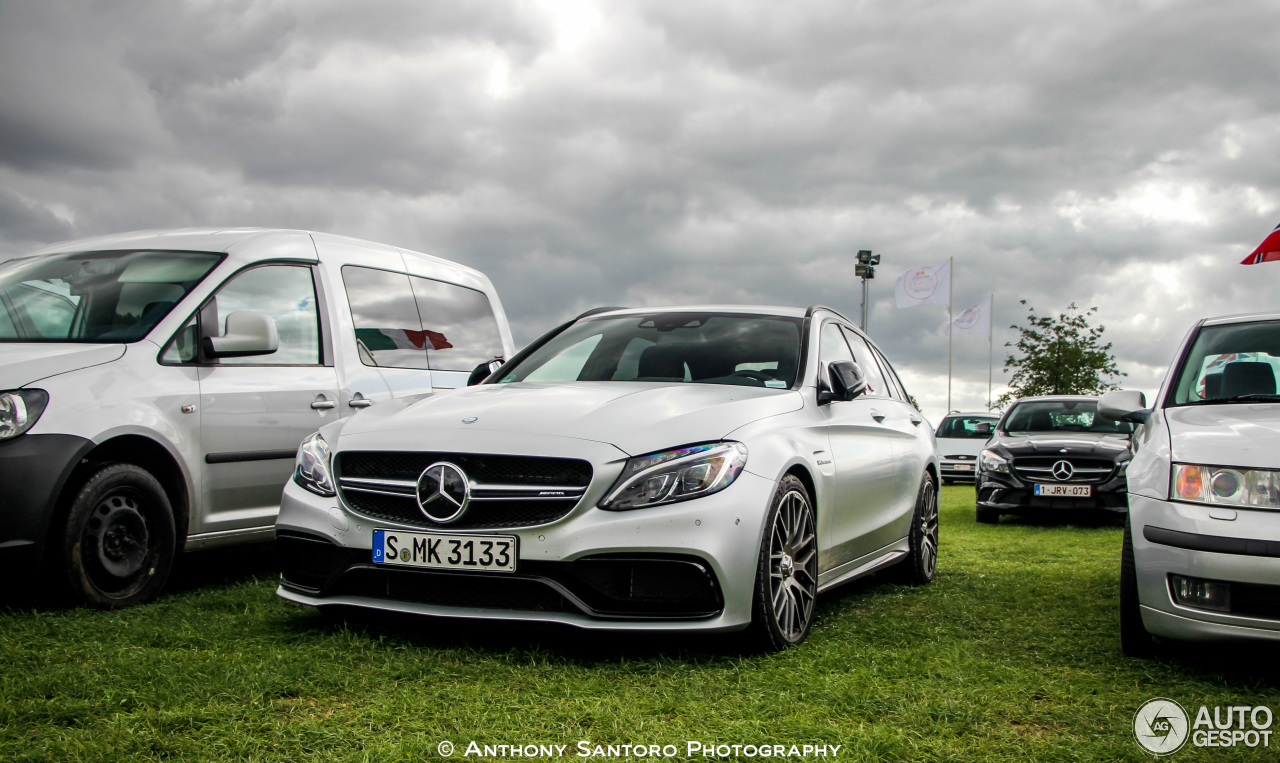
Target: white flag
column 975, row 320
column 928, row 285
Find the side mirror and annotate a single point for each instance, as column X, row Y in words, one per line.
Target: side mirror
column 847, row 382
column 247, row 334
column 1124, row 405
column 983, row 428
column 482, row 371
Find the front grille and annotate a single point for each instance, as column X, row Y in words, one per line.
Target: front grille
column 447, row 589
column 1084, row 470
column 506, row 491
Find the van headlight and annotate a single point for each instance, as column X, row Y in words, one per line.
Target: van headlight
column 676, row 475
column 994, row 462
column 1226, row 485
column 312, row 467
column 19, row 410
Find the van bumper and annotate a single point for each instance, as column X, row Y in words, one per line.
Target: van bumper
column 33, row 470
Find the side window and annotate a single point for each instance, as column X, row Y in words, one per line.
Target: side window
column 287, row 293
column 876, row 386
column 182, row 348
column 831, row 348
column 458, row 323
column 388, row 330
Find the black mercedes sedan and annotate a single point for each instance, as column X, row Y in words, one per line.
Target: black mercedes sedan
column 1049, row 454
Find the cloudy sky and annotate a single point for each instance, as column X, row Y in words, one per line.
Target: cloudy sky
column 1120, row 154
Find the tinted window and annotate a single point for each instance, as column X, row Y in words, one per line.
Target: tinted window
column 699, row 348
column 1227, row 362
column 1061, row 416
column 867, row 360
column 964, row 427
column 287, row 293
column 460, row 323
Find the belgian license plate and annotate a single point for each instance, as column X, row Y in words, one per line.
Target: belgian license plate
column 1068, row 491
column 445, row 551
column 962, row 467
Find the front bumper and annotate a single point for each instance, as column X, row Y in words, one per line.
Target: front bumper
column 1008, row 494
column 1172, row 538
column 683, row 566
column 33, row 470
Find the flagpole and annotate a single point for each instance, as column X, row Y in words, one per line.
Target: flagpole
column 991, row 343
column 951, row 298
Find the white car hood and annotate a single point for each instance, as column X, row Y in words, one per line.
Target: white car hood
column 1240, row 434
column 635, row 417
column 23, row 364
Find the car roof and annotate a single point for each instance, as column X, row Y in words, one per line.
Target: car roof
column 1053, row 398
column 789, row 312
column 971, row 414
column 1240, row 318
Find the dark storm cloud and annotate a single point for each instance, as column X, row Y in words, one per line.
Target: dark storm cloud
column 1113, row 154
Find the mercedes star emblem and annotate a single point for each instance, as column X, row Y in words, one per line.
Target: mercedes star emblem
column 1062, row 471
column 443, row 492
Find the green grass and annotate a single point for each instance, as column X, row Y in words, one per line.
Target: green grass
column 1011, row 654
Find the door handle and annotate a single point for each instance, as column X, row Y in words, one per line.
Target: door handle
column 324, row 405
column 360, row 402
column 877, row 415
column 915, row 419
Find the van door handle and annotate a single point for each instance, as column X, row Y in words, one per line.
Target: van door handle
column 323, row 405
column 877, row 415
column 360, row 402
column 915, row 419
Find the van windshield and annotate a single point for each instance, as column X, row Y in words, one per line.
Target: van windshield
column 95, row 297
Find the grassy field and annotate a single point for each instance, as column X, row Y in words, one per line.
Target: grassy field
column 1012, row 654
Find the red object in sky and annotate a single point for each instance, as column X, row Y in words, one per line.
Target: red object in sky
column 1267, row 251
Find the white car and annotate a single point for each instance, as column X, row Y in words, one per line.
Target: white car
column 154, row 386
column 1201, row 554
column 960, row 438
column 685, row 468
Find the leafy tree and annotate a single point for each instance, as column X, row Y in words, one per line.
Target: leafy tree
column 1060, row 356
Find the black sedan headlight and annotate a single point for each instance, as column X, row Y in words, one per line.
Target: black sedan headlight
column 676, row 475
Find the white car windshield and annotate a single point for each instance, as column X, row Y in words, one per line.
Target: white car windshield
column 696, row 348
column 95, row 297
column 1230, row 363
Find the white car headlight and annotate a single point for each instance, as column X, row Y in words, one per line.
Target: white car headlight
column 19, row 410
column 312, row 466
column 1225, row 485
column 994, row 462
column 676, row 475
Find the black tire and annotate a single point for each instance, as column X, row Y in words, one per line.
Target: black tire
column 118, row 542
column 988, row 516
column 921, row 561
column 786, row 571
column 1135, row 641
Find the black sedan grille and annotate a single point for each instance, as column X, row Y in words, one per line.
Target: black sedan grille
column 1082, row 471
column 506, row 491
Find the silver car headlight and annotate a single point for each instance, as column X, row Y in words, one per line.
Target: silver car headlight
column 676, row 475
column 19, row 410
column 994, row 462
column 1224, row 485
column 312, row 467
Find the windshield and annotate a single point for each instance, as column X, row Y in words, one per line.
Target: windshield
column 95, row 297
column 1062, row 416
column 1231, row 363
column 965, row 427
column 697, row 348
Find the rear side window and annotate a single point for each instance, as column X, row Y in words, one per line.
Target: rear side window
column 405, row 321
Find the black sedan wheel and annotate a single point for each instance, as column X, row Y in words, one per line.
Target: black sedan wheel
column 787, row 572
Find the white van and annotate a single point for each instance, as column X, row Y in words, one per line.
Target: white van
column 154, row 386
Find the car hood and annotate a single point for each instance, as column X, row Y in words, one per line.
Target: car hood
column 1245, row 434
column 960, row 446
column 1072, row 443
column 635, row 417
column 23, row 364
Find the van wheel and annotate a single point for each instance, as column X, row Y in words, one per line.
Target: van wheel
column 921, row 561
column 1135, row 641
column 119, row 541
column 787, row 570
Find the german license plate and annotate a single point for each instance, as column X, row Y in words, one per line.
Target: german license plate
column 1067, row 491
column 962, row 467
column 445, row 551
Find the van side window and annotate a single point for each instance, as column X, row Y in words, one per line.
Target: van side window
column 459, row 324
column 388, row 329
column 287, row 293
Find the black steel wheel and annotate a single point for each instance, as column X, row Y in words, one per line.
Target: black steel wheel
column 921, row 561
column 787, row 573
column 1135, row 641
column 118, row 542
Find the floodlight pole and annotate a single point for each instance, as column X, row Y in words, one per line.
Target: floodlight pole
column 866, row 270
column 863, row 323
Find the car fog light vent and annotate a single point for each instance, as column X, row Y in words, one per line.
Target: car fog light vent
column 1201, row 594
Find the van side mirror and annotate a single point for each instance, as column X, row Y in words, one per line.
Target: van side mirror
column 983, row 428
column 247, row 334
column 482, row 371
column 847, row 382
column 1124, row 405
